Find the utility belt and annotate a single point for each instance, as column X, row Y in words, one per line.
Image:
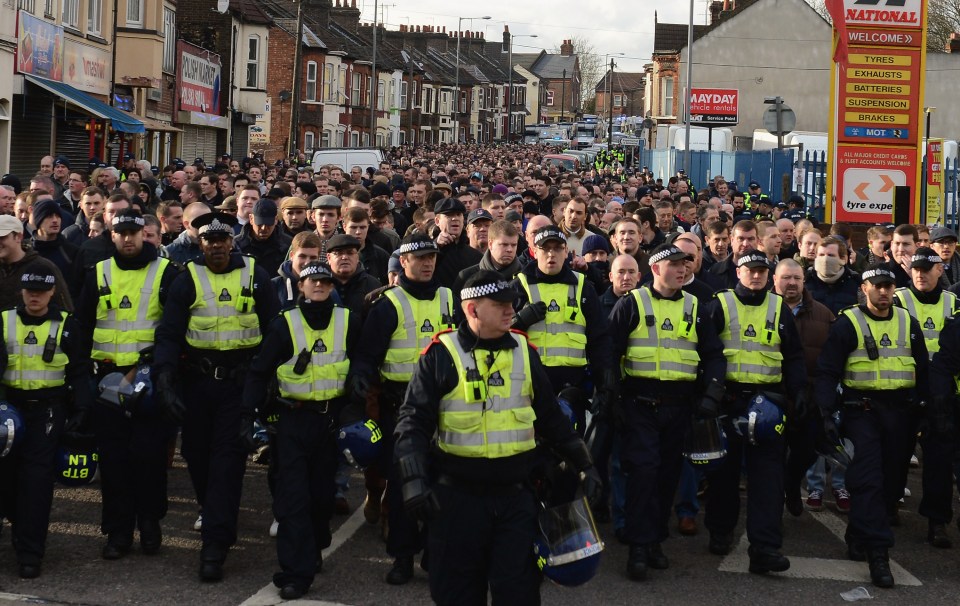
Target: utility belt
column 24, row 399
column 473, row 488
column 658, row 401
column 318, row 406
column 208, row 368
column 866, row 403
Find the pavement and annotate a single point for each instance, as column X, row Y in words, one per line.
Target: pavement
column 355, row 564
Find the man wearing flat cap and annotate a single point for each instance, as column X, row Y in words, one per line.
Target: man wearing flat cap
column 455, row 252
column 876, row 352
column 764, row 355
column 483, row 516
column 671, row 358
column 213, row 323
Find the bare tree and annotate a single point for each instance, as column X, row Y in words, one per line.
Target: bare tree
column 591, row 65
column 821, row 7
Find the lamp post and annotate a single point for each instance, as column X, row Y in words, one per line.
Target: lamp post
column 374, row 81
column 608, row 89
column 456, row 71
column 510, row 37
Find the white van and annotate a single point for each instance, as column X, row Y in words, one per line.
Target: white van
column 348, row 157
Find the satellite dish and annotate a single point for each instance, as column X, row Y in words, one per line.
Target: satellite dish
column 223, row 6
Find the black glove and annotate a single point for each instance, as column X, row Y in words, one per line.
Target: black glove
column 418, row 499
column 830, row 431
column 941, row 414
column 530, row 315
column 709, row 406
column 801, row 407
column 170, row 403
column 592, row 485
column 77, row 422
column 246, row 433
column 359, row 388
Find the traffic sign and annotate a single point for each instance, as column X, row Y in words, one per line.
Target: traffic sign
column 788, row 120
column 714, row 106
column 630, row 141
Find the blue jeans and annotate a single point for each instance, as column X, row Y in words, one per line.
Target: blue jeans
column 817, row 474
column 687, row 505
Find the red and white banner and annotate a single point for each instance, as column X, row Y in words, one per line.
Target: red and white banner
column 198, row 79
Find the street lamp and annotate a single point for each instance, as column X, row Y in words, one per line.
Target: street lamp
column 510, row 37
column 609, row 90
column 456, row 86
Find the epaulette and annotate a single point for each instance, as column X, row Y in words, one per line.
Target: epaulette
column 436, row 339
column 376, row 295
column 525, row 336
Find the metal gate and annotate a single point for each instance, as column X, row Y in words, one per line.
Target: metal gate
column 30, row 133
column 199, row 142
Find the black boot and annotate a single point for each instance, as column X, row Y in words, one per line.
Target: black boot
column 767, row 559
column 880, row 574
column 656, row 559
column 720, row 543
column 402, row 571
column 212, row 557
column 937, row 536
column 637, row 563
column 792, row 499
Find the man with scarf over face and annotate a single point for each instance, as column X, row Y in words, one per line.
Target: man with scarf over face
column 831, row 281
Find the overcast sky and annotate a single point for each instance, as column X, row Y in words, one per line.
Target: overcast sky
column 608, row 25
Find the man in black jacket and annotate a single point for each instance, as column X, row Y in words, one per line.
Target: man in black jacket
column 261, row 239
column 455, row 252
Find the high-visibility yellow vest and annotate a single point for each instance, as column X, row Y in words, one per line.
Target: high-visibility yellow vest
column 895, row 367
column 417, row 322
column 561, row 338
column 222, row 316
column 751, row 339
column 664, row 343
column 931, row 316
column 326, row 374
column 26, row 368
column 128, row 310
column 489, row 413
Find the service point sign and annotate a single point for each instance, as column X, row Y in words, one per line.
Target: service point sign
column 714, row 106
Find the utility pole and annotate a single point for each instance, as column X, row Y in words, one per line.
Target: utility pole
column 563, row 94
column 294, row 136
column 686, row 101
column 374, row 82
column 610, row 99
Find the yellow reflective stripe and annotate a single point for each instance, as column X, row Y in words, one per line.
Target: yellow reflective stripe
column 506, row 436
column 565, row 329
column 665, row 366
column 514, row 399
column 223, row 335
column 408, row 320
column 333, row 354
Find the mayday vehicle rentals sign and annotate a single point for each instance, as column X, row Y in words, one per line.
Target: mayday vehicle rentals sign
column 714, row 106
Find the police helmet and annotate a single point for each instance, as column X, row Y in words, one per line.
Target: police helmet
column 360, row 443
column 570, row 400
column 568, row 547
column 706, row 444
column 765, row 420
column 76, row 466
column 131, row 392
column 11, row 428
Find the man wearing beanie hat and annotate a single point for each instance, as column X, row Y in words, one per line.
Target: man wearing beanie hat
column 48, row 240
column 14, row 257
column 260, row 237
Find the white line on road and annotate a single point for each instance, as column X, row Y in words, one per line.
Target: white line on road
column 819, row 568
column 270, row 595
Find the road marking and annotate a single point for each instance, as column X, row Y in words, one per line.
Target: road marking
column 270, row 594
column 819, row 568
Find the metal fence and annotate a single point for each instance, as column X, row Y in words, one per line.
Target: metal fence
column 767, row 168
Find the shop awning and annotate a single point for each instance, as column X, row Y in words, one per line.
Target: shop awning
column 121, row 121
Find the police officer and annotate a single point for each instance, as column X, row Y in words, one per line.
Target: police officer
column 41, row 362
column 482, row 390
column 120, row 306
column 215, row 316
column 399, row 325
column 308, row 349
column 560, row 311
column 927, row 302
column 764, row 355
column 876, row 352
column 663, row 342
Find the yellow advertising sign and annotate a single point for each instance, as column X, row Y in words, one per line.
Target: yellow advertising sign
column 934, row 178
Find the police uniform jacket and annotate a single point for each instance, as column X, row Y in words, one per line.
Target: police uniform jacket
column 277, row 348
column 945, row 365
column 625, row 318
column 842, row 341
column 171, row 333
column 90, row 296
column 598, row 341
column 436, row 375
column 794, row 372
column 78, row 371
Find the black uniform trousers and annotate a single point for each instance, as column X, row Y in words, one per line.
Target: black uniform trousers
column 765, row 471
column 883, row 441
column 26, row 491
column 304, row 491
column 939, row 452
column 801, row 455
column 483, row 538
column 133, row 471
column 405, row 537
column 215, row 457
column 651, row 457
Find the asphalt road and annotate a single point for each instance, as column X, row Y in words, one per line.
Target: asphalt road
column 353, row 572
